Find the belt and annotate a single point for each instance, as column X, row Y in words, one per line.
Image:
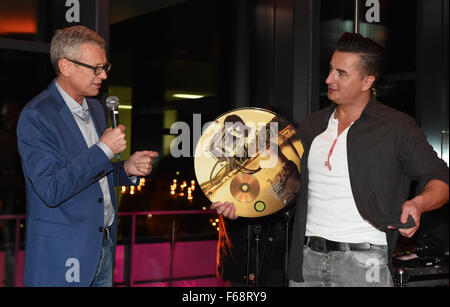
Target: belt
column 322, row 245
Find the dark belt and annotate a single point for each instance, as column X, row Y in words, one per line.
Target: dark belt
column 322, row 245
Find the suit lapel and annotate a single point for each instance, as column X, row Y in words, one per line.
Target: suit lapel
column 67, row 117
column 96, row 118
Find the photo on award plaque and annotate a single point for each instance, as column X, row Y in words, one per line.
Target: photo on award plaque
column 251, row 157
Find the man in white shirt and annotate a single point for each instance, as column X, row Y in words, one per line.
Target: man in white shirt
column 360, row 158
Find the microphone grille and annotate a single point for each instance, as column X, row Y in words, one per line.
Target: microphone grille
column 112, row 102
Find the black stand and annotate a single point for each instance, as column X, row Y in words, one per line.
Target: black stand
column 172, row 248
column 253, row 229
column 257, row 230
column 287, row 218
column 249, row 241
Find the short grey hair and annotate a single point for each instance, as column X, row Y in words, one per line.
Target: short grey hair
column 66, row 41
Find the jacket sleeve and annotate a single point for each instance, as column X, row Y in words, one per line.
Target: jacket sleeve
column 123, row 178
column 418, row 157
column 55, row 175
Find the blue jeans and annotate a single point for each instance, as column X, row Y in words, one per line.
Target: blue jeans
column 345, row 268
column 104, row 275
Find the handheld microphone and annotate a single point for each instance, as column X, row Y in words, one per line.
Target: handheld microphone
column 112, row 103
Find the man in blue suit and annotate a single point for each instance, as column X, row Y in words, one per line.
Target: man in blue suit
column 66, row 151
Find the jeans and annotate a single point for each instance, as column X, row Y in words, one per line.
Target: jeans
column 104, row 275
column 345, row 268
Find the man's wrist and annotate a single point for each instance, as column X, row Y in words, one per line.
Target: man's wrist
column 419, row 202
column 125, row 167
column 108, row 152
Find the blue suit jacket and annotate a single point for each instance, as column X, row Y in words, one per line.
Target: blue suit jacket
column 64, row 200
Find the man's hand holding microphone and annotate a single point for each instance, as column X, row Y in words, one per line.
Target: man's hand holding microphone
column 138, row 164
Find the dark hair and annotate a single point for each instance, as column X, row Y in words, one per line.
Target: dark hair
column 371, row 53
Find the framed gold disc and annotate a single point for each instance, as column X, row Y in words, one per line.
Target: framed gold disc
column 251, row 157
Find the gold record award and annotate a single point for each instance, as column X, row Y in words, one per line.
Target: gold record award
column 251, row 157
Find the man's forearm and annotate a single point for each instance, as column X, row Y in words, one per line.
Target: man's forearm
column 434, row 195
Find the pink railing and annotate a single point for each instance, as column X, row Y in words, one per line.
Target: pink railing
column 133, row 263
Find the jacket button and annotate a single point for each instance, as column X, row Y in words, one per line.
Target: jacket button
column 100, row 229
column 100, row 200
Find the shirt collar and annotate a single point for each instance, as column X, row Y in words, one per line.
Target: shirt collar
column 80, row 110
column 370, row 109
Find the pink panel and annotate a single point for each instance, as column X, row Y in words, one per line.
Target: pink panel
column 152, row 262
column 120, row 262
column 19, row 268
column 202, row 282
column 195, row 258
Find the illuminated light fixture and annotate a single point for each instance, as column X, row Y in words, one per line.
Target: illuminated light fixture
column 180, row 188
column 25, row 24
column 125, row 107
column 214, row 224
column 188, row 96
column 133, row 189
column 142, row 182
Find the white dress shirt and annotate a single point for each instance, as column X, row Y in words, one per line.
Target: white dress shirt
column 332, row 211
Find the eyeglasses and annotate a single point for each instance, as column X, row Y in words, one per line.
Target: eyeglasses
column 97, row 69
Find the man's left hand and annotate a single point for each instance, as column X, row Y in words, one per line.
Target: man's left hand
column 411, row 207
column 140, row 163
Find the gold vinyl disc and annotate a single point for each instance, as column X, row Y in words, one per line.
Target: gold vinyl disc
column 250, row 157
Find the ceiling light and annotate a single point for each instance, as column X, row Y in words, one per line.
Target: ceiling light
column 188, row 96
